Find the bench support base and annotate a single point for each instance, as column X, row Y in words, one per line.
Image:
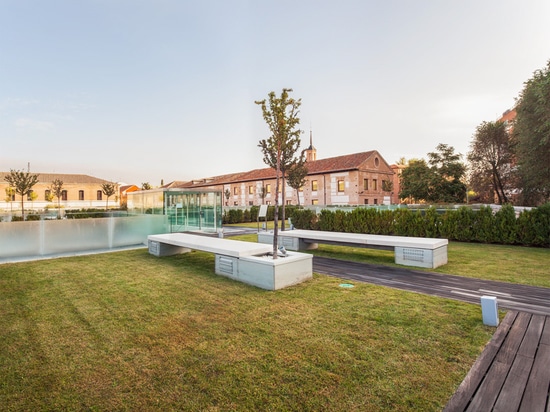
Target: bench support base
column 409, row 256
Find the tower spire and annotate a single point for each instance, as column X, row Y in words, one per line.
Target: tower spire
column 311, row 152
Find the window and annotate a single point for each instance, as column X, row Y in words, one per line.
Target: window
column 63, row 195
column 235, row 190
column 314, row 186
column 375, row 201
column 47, row 194
column 268, row 202
column 99, row 195
column 376, row 162
column 268, row 188
column 340, row 185
column 81, row 195
column 235, row 204
column 250, row 190
column 366, row 201
column 374, row 184
column 365, row 184
column 250, row 203
column 314, row 201
column 288, row 202
column 29, row 195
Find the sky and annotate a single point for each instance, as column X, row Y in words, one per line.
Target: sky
column 154, row 91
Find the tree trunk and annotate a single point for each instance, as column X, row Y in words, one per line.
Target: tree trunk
column 283, row 197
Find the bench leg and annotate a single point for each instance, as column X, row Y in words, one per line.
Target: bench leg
column 163, row 249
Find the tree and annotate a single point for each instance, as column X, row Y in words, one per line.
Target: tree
column 491, row 161
column 22, row 183
column 281, row 116
column 227, row 194
column 438, row 180
column 146, row 186
column 297, row 175
column 415, row 180
column 448, row 172
column 10, row 196
column 108, row 189
column 56, row 190
column 532, row 137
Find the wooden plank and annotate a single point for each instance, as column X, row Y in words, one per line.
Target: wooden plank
column 536, row 392
column 509, row 348
column 469, row 386
column 545, row 338
column 512, row 391
column 489, row 389
column 532, row 336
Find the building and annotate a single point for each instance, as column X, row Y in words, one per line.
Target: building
column 79, row 192
column 185, row 209
column 355, row 179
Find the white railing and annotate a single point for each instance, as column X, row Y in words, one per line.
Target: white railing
column 52, row 237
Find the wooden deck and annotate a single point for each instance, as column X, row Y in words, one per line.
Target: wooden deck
column 513, row 371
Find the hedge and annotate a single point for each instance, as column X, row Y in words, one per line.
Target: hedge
column 530, row 228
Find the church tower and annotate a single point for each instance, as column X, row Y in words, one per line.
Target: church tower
column 311, row 152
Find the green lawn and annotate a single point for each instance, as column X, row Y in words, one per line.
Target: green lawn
column 129, row 331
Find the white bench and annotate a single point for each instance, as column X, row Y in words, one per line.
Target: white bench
column 244, row 261
column 411, row 251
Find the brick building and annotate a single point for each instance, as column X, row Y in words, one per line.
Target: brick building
column 355, row 179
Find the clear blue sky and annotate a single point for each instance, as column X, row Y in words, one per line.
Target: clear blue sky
column 143, row 90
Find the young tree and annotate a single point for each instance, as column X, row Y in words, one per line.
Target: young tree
column 56, row 190
column 297, row 175
column 532, row 137
column 10, row 196
column 108, row 189
column 227, row 194
column 491, row 160
column 281, row 116
column 22, row 183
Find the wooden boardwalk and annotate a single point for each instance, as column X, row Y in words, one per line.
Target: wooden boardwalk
column 513, row 371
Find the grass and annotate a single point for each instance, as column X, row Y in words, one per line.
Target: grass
column 128, row 331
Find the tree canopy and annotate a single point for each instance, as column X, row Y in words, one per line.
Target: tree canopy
column 22, row 183
column 108, row 189
column 532, row 137
column 56, row 190
column 281, row 116
column 297, row 175
column 437, row 181
column 491, row 160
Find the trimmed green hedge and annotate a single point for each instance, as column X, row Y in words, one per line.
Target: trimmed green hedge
column 530, row 228
column 251, row 215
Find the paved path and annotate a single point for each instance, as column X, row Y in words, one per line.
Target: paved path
column 524, row 298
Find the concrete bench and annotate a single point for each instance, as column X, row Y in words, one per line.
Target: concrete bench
column 247, row 262
column 410, row 251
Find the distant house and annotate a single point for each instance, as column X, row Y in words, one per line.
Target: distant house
column 123, row 193
column 79, row 191
column 354, row 179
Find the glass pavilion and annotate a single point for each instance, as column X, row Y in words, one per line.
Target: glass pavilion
column 185, row 210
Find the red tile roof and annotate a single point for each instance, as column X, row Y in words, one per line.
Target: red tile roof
column 330, row 165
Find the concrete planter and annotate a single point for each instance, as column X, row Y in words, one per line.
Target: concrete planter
column 265, row 272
